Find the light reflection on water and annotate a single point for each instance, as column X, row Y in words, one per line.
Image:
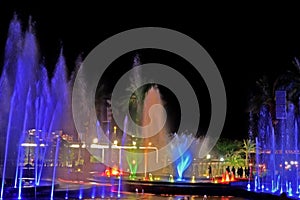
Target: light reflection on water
column 132, row 196
column 151, row 197
column 176, row 197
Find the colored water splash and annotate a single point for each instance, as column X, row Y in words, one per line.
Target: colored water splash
column 183, row 163
column 32, row 106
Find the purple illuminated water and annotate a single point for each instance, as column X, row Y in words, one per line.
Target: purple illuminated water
column 35, row 112
column 277, row 157
column 32, row 110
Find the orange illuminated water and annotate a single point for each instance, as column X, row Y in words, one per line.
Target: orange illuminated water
column 154, row 119
column 154, row 126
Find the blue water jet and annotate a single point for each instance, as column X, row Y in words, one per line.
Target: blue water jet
column 185, row 148
column 30, row 104
column 183, row 163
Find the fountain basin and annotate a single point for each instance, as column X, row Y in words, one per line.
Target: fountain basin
column 28, row 188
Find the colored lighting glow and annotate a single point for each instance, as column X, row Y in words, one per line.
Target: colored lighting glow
column 132, row 166
column 31, row 145
column 95, row 140
column 248, row 186
column 183, row 163
column 93, row 193
column 232, row 177
column 28, row 145
column 80, row 193
column 150, row 177
column 193, row 179
column 171, row 178
column 74, row 146
column 113, row 172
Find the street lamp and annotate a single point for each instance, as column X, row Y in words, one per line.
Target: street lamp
column 133, row 143
column 95, row 140
column 116, row 142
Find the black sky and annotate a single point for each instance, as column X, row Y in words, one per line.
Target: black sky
column 245, row 45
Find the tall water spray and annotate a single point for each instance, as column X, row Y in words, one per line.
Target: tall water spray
column 31, row 106
column 154, row 123
column 183, row 154
column 277, row 153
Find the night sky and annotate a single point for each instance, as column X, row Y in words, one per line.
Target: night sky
column 244, row 45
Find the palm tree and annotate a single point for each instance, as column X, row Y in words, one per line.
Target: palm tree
column 226, row 147
column 234, row 160
column 248, row 147
column 290, row 82
column 264, row 96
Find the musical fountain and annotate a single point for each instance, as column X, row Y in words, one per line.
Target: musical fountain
column 277, row 141
column 32, row 114
column 36, row 115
